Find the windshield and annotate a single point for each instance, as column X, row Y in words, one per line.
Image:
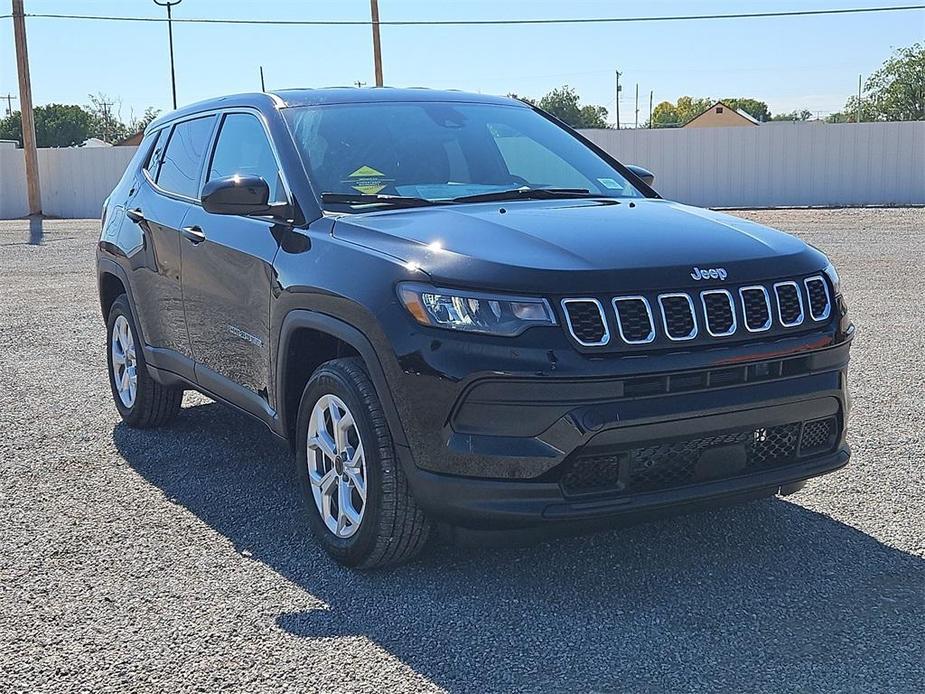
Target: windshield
column 437, row 151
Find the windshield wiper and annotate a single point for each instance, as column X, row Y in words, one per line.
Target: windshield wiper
column 528, row 194
column 376, row 199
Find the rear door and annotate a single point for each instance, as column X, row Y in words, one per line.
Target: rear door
column 228, row 271
column 157, row 206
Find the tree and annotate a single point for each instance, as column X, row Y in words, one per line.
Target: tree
column 894, row 92
column 138, row 124
column 669, row 115
column 107, row 121
column 756, row 109
column 798, row 115
column 563, row 104
column 56, row 125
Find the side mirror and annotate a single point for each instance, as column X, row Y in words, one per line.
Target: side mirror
column 241, row 195
column 647, row 176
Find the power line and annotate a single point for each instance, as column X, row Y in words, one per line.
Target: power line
column 482, row 22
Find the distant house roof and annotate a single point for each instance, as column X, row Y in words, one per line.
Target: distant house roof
column 709, row 112
column 131, row 140
column 95, row 142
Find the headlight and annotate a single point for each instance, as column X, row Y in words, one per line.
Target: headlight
column 832, row 274
column 474, row 312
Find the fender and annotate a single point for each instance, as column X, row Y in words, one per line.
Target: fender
column 165, row 366
column 305, row 318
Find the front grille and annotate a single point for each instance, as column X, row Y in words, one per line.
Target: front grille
column 757, row 308
column 634, row 319
column 774, row 308
column 789, row 303
column 817, row 294
column 699, row 459
column 586, row 322
column 678, row 316
column 719, row 310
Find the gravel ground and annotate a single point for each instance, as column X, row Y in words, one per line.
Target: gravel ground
column 176, row 560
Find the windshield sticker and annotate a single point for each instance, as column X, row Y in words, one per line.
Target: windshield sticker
column 367, row 180
column 609, row 183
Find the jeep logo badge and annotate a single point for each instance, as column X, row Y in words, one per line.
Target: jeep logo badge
column 713, row 273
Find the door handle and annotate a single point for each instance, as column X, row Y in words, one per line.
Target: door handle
column 194, row 234
column 135, row 215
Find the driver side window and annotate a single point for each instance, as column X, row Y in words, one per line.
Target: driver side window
column 243, row 149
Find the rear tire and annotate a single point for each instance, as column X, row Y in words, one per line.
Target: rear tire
column 142, row 402
column 356, row 495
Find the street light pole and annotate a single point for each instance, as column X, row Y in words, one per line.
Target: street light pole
column 173, row 78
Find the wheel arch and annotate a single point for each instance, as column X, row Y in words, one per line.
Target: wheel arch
column 325, row 337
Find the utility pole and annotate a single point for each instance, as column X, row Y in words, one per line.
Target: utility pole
column 858, row 118
column 28, row 118
column 107, row 118
column 9, row 103
column 637, row 104
column 377, row 47
column 173, row 77
column 360, row 84
column 263, row 87
column 617, row 99
column 651, row 93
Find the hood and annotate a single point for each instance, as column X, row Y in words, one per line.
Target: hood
column 578, row 245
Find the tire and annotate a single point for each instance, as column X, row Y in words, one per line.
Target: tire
column 392, row 529
column 150, row 404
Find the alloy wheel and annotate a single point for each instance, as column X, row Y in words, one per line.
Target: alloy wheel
column 124, row 364
column 336, row 466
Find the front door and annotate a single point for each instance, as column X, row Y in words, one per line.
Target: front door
column 228, row 273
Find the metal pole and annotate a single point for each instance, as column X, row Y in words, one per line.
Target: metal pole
column 617, row 100
column 651, row 93
column 28, row 118
column 858, row 117
column 9, row 103
column 173, row 77
column 263, row 86
column 637, row 104
column 377, row 46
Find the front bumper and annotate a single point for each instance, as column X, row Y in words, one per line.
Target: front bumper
column 493, row 450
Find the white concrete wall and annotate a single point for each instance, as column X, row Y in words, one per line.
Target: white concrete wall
column 768, row 165
column 779, row 164
column 74, row 180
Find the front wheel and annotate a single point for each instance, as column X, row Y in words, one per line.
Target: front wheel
column 356, row 495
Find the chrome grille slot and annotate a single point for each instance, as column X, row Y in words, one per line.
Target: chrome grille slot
column 586, row 321
column 789, row 304
column 634, row 319
column 817, row 298
column 719, row 312
column 756, row 308
column 678, row 317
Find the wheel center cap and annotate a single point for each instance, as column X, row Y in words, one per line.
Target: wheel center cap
column 338, row 465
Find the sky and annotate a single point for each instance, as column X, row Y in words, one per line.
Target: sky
column 791, row 63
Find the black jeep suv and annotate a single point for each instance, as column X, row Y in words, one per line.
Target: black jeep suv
column 457, row 309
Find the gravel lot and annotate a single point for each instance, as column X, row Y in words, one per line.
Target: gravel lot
column 177, row 560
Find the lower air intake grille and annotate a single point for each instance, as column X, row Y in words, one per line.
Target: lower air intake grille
column 586, row 321
column 694, row 460
column 818, row 436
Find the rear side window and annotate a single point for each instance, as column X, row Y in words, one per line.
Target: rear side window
column 153, row 162
column 182, row 160
column 243, row 149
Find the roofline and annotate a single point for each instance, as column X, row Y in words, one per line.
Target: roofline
column 746, row 116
